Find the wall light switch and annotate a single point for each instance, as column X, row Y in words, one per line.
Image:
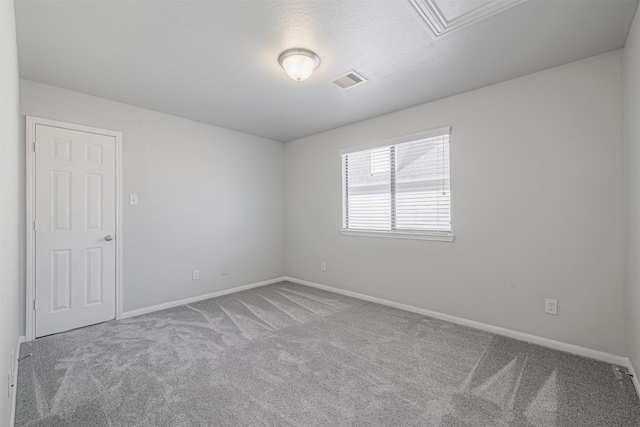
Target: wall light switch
column 196, row 275
column 133, row 199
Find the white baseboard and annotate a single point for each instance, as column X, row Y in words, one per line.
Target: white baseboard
column 546, row 342
column 12, row 421
column 172, row 304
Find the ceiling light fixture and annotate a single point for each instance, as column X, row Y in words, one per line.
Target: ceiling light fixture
column 299, row 63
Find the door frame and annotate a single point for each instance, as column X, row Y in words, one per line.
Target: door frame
column 31, row 122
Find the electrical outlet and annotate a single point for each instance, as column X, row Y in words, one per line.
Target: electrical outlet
column 323, row 266
column 551, row 306
column 196, row 274
column 224, row 271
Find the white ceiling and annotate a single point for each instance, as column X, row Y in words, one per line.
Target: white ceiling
column 216, row 61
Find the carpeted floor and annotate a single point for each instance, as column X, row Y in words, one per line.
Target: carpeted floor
column 289, row 355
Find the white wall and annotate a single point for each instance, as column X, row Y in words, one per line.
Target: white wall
column 632, row 167
column 11, row 200
column 538, row 208
column 209, row 197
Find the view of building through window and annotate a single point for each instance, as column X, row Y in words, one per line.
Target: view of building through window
column 402, row 187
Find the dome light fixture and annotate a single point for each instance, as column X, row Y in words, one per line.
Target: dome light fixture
column 299, row 63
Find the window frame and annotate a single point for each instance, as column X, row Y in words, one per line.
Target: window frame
column 443, row 236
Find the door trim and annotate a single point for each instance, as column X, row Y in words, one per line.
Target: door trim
column 30, row 320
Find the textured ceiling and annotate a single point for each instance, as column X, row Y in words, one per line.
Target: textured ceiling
column 216, row 61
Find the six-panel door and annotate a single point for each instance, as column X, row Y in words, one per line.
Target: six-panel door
column 75, row 229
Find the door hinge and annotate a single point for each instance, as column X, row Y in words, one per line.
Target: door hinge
column 34, row 147
column 34, row 305
column 34, row 225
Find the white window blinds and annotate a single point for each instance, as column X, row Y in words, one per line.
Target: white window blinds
column 399, row 188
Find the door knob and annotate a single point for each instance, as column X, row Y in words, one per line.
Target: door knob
column 108, row 238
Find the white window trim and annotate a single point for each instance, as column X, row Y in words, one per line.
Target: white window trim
column 395, row 234
column 437, row 237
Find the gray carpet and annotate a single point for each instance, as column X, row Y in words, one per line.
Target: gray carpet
column 289, row 355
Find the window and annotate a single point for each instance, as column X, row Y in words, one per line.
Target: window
column 398, row 188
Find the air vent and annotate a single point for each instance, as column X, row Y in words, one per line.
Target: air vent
column 348, row 80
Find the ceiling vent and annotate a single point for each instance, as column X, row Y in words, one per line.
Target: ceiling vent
column 348, row 80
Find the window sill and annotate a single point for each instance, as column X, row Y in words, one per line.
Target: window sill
column 438, row 237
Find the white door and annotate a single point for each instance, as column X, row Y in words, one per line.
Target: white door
column 75, row 223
